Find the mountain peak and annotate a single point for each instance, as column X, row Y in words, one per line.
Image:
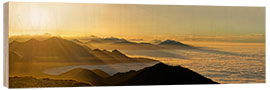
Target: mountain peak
column 98, row 50
column 116, row 51
column 104, row 50
column 14, row 42
column 53, row 38
column 32, row 40
column 172, row 42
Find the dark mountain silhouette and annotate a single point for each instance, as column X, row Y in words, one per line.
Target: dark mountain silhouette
column 106, row 40
column 172, row 42
column 159, row 74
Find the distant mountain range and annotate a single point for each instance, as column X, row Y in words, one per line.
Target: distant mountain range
column 106, row 40
column 56, row 49
column 126, row 44
column 124, row 41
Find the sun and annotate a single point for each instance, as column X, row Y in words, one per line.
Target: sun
column 38, row 18
column 29, row 19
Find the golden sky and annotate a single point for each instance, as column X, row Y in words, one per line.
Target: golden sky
column 136, row 21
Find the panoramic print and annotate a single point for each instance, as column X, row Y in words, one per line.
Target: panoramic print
column 79, row 44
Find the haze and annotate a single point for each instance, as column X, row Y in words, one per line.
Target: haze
column 200, row 23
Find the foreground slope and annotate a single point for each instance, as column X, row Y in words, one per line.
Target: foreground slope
column 30, row 82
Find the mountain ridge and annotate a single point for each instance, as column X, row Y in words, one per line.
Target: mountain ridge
column 158, row 74
column 56, row 48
